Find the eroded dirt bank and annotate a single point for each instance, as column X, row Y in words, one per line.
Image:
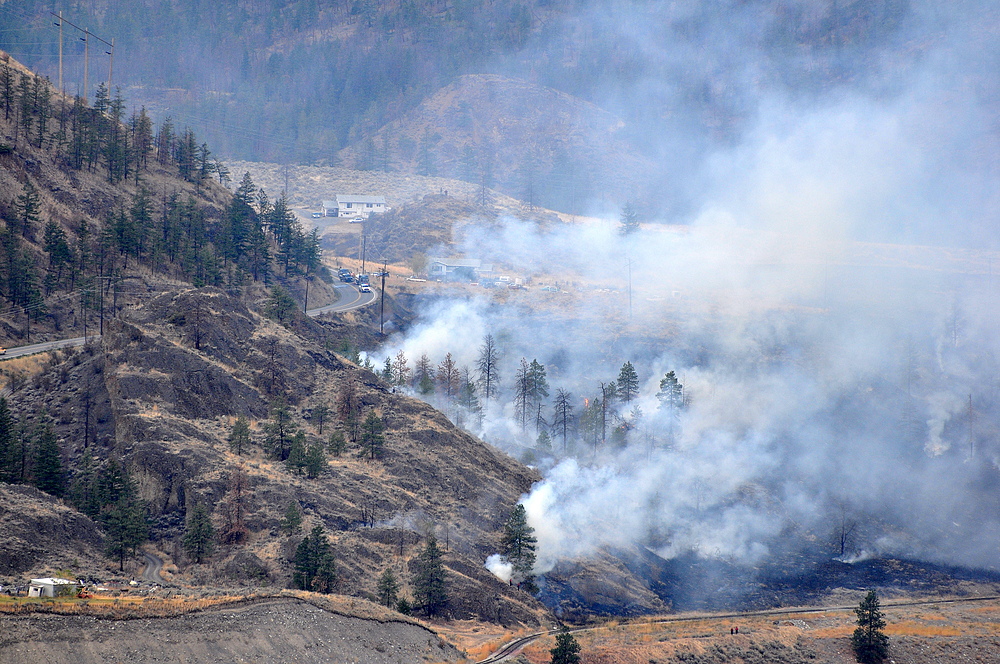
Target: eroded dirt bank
column 279, row 630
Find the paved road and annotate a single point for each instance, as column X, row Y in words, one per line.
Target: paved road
column 152, row 570
column 48, row 345
column 348, row 298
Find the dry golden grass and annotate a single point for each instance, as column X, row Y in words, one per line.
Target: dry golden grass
column 914, row 628
column 133, row 606
column 19, row 368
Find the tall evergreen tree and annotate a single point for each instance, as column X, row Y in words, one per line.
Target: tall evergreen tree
column 629, row 220
column 628, row 382
column 538, row 391
column 387, row 589
column 279, row 431
column 239, row 436
column 429, row 588
column 7, row 434
column 522, row 394
column 199, row 535
column 124, row 519
column 870, row 644
column 27, row 206
column 447, row 376
column 372, row 436
column 315, row 565
column 48, row 470
column 518, row 544
column 562, row 417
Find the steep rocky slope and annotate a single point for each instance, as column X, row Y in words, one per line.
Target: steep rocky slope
column 38, row 530
column 162, row 390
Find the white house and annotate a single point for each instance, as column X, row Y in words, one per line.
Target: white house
column 354, row 205
column 52, row 587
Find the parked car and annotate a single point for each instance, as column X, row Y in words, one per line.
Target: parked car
column 317, row 215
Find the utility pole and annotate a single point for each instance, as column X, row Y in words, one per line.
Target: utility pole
column 87, row 34
column 305, row 304
column 86, row 72
column 364, row 249
column 60, row 24
column 381, row 313
column 111, row 62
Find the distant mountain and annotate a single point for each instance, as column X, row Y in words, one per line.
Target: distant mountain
column 301, row 81
column 537, row 144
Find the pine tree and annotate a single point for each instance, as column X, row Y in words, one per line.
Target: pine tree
column 870, row 644
column 629, row 220
column 429, row 589
column 123, row 515
column 279, row 431
column 48, row 471
column 7, row 434
column 671, row 397
column 628, row 382
column 518, row 544
column 544, row 443
column 567, row 650
column 387, row 589
column 423, row 376
column 337, row 443
column 447, row 376
column 562, row 419
column 280, row 306
column 320, row 413
column 292, row 520
column 199, row 534
column 315, row 461
column 239, row 436
column 27, row 207
column 372, row 436
column 400, row 374
column 296, row 461
column 315, row 565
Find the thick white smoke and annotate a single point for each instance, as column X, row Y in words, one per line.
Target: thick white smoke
column 834, row 361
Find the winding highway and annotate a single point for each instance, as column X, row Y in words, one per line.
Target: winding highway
column 348, row 298
column 151, row 572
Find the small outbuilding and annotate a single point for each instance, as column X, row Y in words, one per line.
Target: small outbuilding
column 52, row 587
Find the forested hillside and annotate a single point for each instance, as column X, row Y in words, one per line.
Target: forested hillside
column 299, row 81
column 101, row 207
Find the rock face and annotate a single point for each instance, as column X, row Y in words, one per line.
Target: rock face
column 279, row 630
column 38, row 530
column 162, row 391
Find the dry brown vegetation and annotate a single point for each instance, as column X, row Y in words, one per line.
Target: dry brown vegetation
column 167, row 407
column 926, row 632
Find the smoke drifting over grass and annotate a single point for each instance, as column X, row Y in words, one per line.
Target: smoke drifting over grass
column 828, row 305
